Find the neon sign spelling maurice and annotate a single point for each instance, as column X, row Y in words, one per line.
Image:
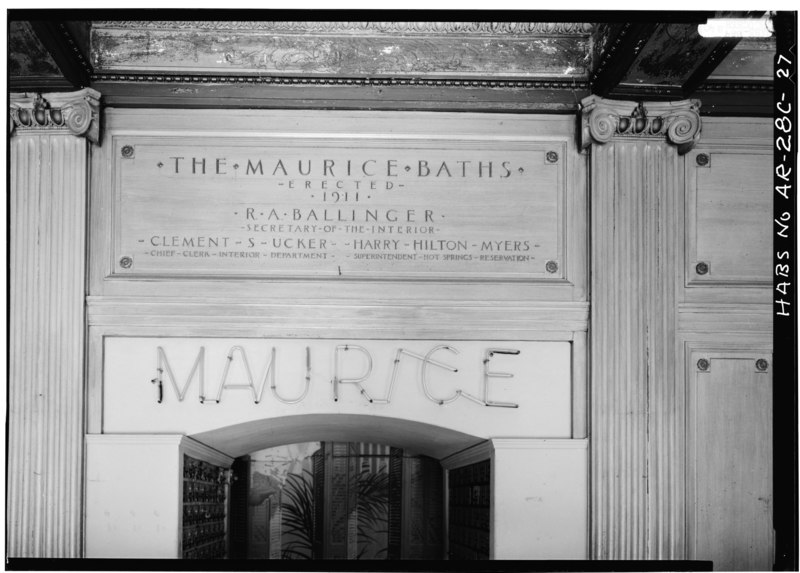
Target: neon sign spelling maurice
column 198, row 369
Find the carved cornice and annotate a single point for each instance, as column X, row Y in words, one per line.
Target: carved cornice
column 168, row 78
column 656, row 91
column 77, row 112
column 604, row 119
column 428, row 28
column 730, row 86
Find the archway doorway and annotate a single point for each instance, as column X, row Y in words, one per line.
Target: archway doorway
column 337, row 500
column 420, row 449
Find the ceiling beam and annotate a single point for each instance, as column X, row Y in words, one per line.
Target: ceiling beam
column 724, row 47
column 618, row 56
column 62, row 46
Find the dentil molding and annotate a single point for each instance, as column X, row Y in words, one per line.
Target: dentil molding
column 604, row 119
column 76, row 112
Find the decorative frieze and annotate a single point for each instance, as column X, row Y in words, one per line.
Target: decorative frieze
column 76, row 112
column 343, row 50
column 604, row 119
column 301, row 27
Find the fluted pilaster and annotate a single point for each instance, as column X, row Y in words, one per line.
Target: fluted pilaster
column 46, row 360
column 636, row 421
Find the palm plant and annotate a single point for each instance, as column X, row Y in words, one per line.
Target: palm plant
column 297, row 505
column 373, row 511
column 298, row 515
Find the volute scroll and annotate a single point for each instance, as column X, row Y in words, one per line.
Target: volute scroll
column 603, row 120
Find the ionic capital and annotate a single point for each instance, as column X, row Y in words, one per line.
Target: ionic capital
column 605, row 119
column 76, row 112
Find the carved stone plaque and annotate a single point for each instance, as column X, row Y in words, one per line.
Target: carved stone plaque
column 368, row 207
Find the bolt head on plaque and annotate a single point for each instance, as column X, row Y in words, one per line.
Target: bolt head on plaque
column 127, row 151
column 702, row 159
column 552, row 157
column 762, row 365
column 126, row 262
column 551, row 266
column 703, row 364
column 701, row 268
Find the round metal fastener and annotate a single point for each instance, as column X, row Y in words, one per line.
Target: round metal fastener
column 127, row 151
column 552, row 157
column 703, row 364
column 126, row 262
column 702, row 159
column 761, row 364
column 701, row 268
column 551, row 266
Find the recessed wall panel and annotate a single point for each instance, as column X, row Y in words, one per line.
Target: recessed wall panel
column 728, row 218
column 730, row 459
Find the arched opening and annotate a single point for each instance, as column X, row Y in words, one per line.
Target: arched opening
column 337, row 487
column 427, row 439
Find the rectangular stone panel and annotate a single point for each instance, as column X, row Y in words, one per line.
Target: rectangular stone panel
column 355, row 207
